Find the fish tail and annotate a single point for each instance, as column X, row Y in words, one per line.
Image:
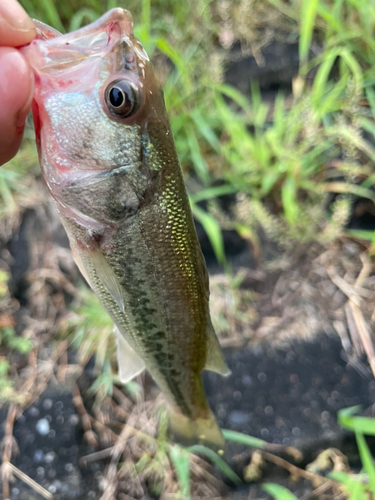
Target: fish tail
column 189, row 432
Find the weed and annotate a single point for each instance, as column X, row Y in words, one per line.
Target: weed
column 286, row 155
column 11, row 345
column 282, row 158
column 354, row 486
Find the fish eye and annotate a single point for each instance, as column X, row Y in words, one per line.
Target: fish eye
column 121, row 98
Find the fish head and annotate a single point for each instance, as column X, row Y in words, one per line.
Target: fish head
column 97, row 105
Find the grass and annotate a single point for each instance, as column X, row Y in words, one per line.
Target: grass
column 283, row 159
column 12, row 346
column 354, row 486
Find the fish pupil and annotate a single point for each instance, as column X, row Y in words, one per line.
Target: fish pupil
column 117, row 97
column 121, row 98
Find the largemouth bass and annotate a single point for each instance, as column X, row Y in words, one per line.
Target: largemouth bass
column 108, row 158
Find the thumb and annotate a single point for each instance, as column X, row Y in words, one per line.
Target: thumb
column 16, row 28
column 16, row 91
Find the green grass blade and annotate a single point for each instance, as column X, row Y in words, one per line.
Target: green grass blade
column 205, row 129
column 367, row 124
column 328, row 16
column 213, row 192
column 308, row 14
column 354, row 486
column 200, row 164
column 353, row 66
column 363, row 425
column 52, row 15
column 177, row 60
column 233, row 94
column 366, row 458
column 76, row 20
column 213, row 231
column 370, row 94
column 278, row 492
column 181, row 462
column 218, row 461
column 239, row 438
column 345, row 187
column 320, row 80
column 146, row 16
column 361, row 234
column 289, row 200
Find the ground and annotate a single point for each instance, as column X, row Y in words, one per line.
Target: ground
column 296, row 328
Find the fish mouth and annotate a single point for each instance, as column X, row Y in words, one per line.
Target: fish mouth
column 53, row 51
column 45, row 32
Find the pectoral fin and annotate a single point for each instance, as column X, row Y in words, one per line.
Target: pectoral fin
column 215, row 361
column 78, row 261
column 107, row 276
column 129, row 362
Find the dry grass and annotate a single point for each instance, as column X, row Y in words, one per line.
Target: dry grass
column 313, row 290
column 300, row 295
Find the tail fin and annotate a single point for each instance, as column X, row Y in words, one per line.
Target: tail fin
column 188, row 432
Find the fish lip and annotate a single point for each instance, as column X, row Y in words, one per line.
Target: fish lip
column 48, row 48
column 117, row 16
column 45, row 32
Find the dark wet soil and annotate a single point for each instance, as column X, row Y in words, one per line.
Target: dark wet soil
column 279, row 65
column 288, row 396
column 49, row 438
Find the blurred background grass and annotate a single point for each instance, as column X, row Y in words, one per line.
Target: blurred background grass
column 293, row 165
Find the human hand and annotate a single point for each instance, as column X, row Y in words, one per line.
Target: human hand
column 16, row 80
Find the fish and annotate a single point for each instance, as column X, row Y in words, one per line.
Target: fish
column 109, row 160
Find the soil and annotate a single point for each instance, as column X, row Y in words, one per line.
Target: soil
column 49, row 437
column 286, row 387
column 291, row 370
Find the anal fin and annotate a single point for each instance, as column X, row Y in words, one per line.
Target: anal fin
column 215, row 361
column 129, row 363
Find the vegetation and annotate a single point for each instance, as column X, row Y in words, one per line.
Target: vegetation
column 283, row 158
column 294, row 165
column 353, row 486
column 11, row 345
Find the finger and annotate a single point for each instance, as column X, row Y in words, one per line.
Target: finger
column 16, row 28
column 16, row 90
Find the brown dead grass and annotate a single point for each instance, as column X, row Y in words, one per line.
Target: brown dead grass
column 315, row 289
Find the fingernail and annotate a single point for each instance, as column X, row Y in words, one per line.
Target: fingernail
column 15, row 16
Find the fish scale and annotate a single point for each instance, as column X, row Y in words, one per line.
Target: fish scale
column 113, row 171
